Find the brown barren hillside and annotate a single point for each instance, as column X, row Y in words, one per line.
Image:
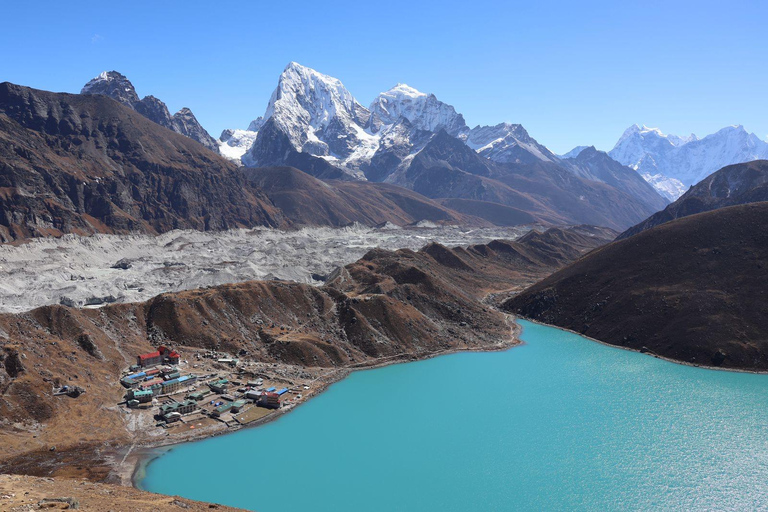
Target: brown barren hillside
column 388, row 306
column 309, row 201
column 86, row 164
column 694, row 290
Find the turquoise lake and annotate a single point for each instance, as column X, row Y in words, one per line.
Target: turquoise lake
column 559, row 423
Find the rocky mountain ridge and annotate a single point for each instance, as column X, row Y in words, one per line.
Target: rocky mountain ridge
column 86, row 164
column 119, row 88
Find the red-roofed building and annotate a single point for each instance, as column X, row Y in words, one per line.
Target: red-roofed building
column 151, row 359
column 163, row 355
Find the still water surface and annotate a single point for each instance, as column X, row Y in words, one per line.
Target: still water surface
column 560, row 423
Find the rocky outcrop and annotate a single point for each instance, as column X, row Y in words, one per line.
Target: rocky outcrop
column 35, row 493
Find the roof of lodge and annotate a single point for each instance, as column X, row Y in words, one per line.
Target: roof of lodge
column 150, row 355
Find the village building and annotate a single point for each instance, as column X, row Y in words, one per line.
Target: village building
column 172, row 417
column 199, row 396
column 233, row 407
column 173, row 385
column 219, row 386
column 270, row 400
column 140, row 395
column 179, row 408
column 162, row 355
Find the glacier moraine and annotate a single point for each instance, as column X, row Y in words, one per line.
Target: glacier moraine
column 94, row 270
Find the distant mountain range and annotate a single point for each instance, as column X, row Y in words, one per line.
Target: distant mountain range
column 312, row 116
column 673, row 163
column 405, row 139
column 412, row 139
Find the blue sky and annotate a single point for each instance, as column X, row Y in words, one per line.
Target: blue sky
column 572, row 73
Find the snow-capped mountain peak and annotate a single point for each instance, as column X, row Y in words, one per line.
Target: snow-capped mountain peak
column 313, row 113
column 317, row 113
column 423, row 111
column 574, row 152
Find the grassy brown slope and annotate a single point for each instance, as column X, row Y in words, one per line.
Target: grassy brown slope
column 87, row 164
column 693, row 290
column 308, row 201
column 401, row 304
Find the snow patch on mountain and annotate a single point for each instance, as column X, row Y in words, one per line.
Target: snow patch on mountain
column 233, row 144
column 507, row 143
column 669, row 188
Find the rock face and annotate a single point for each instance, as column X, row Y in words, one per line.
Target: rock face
column 87, row 164
column 118, row 87
column 674, row 163
column 114, row 85
column 732, row 185
column 691, row 290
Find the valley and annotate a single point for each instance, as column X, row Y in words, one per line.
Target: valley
column 190, row 302
column 389, row 306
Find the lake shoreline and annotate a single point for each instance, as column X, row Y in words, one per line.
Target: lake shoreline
column 130, row 471
column 142, row 457
column 646, row 353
